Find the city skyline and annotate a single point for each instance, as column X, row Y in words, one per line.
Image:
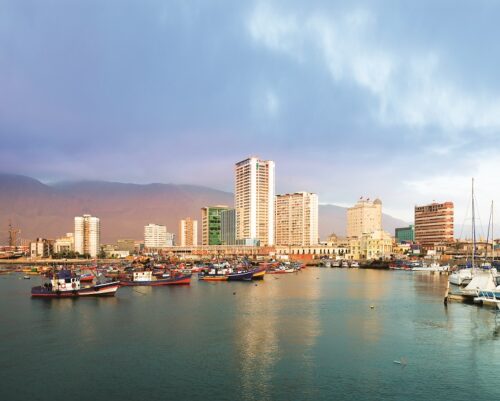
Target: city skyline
column 328, row 91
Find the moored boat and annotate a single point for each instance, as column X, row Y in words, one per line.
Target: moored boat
column 146, row 278
column 65, row 284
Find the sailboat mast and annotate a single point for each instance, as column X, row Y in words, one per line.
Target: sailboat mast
column 473, row 227
column 492, row 237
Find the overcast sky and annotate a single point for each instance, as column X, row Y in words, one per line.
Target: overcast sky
column 392, row 99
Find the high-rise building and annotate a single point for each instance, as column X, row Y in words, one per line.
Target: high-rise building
column 211, row 224
column 364, row 217
column 296, row 221
column 188, row 232
column 254, row 200
column 155, row 236
column 228, row 227
column 433, row 224
column 87, row 235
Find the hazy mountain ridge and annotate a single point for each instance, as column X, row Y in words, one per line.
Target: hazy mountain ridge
column 42, row 210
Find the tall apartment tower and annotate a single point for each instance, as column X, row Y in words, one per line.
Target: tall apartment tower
column 87, row 235
column 211, row 228
column 433, row 224
column 296, row 221
column 364, row 217
column 188, row 232
column 254, row 200
column 155, row 236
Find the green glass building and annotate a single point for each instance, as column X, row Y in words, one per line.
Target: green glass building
column 211, row 228
column 405, row 234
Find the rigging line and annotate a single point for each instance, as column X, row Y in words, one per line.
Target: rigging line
column 465, row 218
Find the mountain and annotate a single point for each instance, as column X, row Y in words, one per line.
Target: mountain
column 42, row 210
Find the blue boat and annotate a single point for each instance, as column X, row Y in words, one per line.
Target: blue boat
column 241, row 276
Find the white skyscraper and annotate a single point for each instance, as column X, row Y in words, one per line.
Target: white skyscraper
column 155, row 236
column 87, row 235
column 297, row 219
column 254, row 200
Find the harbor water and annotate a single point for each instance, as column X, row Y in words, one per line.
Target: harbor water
column 319, row 334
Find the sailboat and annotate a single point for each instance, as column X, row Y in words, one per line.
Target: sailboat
column 468, row 282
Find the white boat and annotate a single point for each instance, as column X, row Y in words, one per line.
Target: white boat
column 354, row 264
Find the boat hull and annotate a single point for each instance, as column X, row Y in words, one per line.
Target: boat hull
column 244, row 276
column 182, row 280
column 101, row 290
column 213, row 278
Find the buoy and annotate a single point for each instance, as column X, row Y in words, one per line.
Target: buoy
column 256, row 285
column 234, row 293
column 372, row 306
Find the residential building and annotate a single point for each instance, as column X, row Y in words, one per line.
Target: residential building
column 228, row 227
column 211, row 228
column 155, row 236
column 296, row 220
column 405, row 234
column 125, row 245
column 87, row 235
column 364, row 217
column 188, row 232
column 41, row 248
column 434, row 224
column 254, row 200
column 65, row 244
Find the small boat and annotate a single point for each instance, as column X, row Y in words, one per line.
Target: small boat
column 145, row 278
column 86, row 277
column 259, row 273
column 26, row 277
column 65, row 284
column 245, row 275
column 213, row 274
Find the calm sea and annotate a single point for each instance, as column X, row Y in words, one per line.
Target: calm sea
column 305, row 336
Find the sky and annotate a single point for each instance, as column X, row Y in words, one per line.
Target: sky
column 389, row 99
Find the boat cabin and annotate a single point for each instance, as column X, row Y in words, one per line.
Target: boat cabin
column 143, row 276
column 64, row 280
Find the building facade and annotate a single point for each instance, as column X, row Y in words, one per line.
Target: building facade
column 155, row 236
column 228, row 227
column 434, row 224
column 64, row 244
column 254, row 200
column 377, row 244
column 41, row 248
column 211, row 227
column 296, row 220
column 364, row 217
column 188, row 232
column 87, row 235
column 125, row 245
column 405, row 234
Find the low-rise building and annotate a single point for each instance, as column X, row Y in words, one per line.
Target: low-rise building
column 64, row 244
column 405, row 234
column 41, row 248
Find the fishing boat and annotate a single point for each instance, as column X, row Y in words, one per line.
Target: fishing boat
column 245, row 275
column 65, row 284
column 146, row 278
column 259, row 273
column 213, row 274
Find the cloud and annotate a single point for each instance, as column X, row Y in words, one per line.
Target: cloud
column 410, row 87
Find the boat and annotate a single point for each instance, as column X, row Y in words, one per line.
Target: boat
column 65, row 284
column 26, row 277
column 259, row 273
column 146, row 278
column 213, row 274
column 474, row 282
column 245, row 275
column 354, row 264
column 86, row 277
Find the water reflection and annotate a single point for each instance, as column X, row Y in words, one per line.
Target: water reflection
column 276, row 318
